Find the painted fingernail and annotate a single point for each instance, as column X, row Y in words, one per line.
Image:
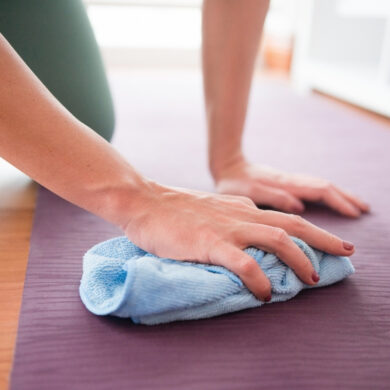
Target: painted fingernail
column 347, row 245
column 315, row 277
column 268, row 298
column 297, row 209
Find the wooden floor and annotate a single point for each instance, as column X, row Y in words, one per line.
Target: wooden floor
column 17, row 204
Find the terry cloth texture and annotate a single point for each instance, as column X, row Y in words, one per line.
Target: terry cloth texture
column 123, row 280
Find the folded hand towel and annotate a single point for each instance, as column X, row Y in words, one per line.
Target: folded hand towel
column 123, row 280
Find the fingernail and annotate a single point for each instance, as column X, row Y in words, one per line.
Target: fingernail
column 347, row 245
column 297, row 209
column 268, row 298
column 315, row 277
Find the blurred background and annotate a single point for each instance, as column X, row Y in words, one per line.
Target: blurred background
column 151, row 49
column 338, row 47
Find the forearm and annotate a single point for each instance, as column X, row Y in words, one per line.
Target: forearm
column 41, row 138
column 231, row 34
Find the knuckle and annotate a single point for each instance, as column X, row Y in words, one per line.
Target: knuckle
column 239, row 200
column 239, row 197
column 297, row 222
column 228, row 197
column 253, row 190
column 246, row 266
column 327, row 186
column 279, row 236
column 247, row 201
column 267, row 214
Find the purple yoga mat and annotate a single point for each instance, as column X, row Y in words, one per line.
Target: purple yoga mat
column 334, row 337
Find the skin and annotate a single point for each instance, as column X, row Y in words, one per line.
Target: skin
column 37, row 135
column 228, row 62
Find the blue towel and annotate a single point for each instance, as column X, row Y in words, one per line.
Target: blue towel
column 123, row 280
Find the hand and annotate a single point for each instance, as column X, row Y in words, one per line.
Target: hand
column 210, row 228
column 285, row 191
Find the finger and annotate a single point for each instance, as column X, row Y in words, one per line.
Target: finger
column 239, row 200
column 277, row 198
column 276, row 240
column 336, row 201
column 308, row 191
column 354, row 200
column 313, row 235
column 239, row 262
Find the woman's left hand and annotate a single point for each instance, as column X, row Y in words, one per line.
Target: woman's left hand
column 285, row 191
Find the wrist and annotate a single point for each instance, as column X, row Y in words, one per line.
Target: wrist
column 125, row 200
column 223, row 165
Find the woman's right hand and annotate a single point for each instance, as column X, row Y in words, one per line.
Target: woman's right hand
column 209, row 228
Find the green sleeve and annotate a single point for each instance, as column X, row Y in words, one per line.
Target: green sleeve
column 55, row 39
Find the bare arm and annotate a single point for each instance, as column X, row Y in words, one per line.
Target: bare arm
column 231, row 36
column 45, row 141
column 40, row 137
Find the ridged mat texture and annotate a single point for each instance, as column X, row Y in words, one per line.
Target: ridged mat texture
column 336, row 337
